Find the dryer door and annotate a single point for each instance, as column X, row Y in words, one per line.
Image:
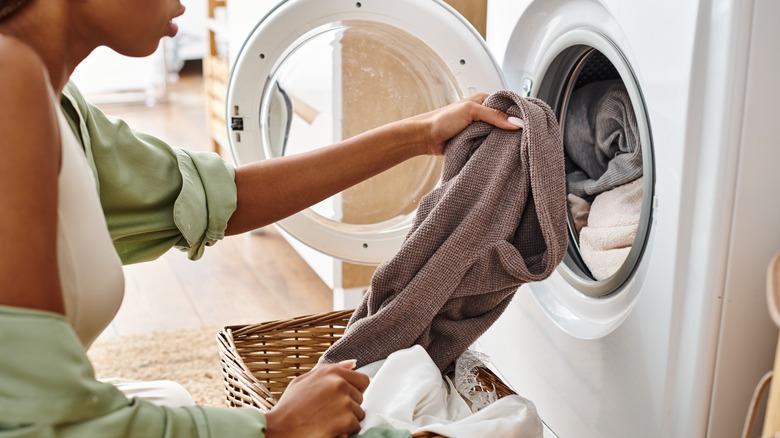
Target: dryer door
column 313, row 73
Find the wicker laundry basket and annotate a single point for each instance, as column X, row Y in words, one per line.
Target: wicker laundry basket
column 259, row 360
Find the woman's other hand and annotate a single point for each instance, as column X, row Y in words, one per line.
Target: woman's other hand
column 325, row 402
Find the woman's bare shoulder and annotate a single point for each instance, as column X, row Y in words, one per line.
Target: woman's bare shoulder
column 26, row 102
column 20, row 64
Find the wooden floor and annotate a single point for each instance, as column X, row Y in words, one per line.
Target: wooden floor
column 243, row 279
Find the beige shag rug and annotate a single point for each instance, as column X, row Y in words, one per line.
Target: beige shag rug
column 187, row 356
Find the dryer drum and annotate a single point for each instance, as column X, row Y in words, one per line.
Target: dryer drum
column 606, row 158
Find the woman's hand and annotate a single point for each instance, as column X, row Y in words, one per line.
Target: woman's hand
column 325, row 402
column 440, row 125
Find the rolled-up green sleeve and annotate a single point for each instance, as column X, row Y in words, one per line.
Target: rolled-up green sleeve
column 154, row 196
column 49, row 390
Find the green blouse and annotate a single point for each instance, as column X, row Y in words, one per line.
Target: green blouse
column 49, row 390
column 154, row 196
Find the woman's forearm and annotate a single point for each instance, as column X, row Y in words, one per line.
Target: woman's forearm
column 273, row 189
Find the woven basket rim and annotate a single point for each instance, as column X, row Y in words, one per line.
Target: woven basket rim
column 278, row 324
column 228, row 349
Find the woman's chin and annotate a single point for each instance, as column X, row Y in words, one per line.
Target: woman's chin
column 137, row 50
column 171, row 29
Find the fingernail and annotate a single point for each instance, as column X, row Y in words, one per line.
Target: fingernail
column 351, row 362
column 516, row 121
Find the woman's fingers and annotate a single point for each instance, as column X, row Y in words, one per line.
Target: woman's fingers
column 520, row 123
column 358, row 380
column 359, row 413
column 478, row 98
column 495, row 117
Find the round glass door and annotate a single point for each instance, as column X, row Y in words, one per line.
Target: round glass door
column 609, row 166
column 346, row 78
column 316, row 73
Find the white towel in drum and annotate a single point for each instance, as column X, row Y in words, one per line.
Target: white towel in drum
column 407, row 391
column 612, row 224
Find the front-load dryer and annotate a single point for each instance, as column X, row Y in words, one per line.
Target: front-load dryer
column 671, row 340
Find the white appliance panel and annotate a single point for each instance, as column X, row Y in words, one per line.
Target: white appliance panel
column 698, row 337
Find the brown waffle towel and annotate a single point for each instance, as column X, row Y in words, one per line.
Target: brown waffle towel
column 498, row 220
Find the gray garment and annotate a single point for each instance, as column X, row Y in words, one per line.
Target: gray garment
column 601, row 138
column 498, row 220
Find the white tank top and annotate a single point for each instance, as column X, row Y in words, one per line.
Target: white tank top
column 90, row 269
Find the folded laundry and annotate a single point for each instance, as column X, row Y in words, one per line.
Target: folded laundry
column 601, row 138
column 498, row 220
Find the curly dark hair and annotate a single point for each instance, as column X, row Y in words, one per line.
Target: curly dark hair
column 8, row 7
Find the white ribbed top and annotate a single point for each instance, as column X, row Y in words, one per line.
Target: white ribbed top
column 90, row 269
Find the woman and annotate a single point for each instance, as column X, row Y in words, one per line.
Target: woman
column 53, row 303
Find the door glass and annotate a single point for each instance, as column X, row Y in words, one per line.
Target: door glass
column 608, row 178
column 343, row 79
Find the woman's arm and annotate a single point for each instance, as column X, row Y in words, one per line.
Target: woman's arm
column 29, row 144
column 273, row 189
column 154, row 196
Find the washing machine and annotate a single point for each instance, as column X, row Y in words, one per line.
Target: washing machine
column 673, row 339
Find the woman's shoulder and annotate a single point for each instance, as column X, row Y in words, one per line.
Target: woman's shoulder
column 19, row 61
column 26, row 102
column 22, row 74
